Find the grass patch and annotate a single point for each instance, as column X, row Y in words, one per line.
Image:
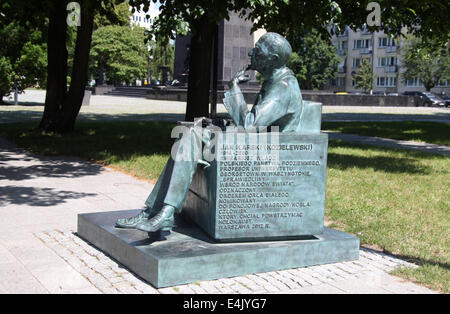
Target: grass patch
column 396, row 200
column 428, row 132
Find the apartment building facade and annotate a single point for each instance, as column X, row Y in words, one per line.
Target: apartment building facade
column 383, row 53
column 139, row 17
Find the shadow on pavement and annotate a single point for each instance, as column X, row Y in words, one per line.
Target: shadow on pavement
column 410, row 259
column 51, row 169
column 33, row 196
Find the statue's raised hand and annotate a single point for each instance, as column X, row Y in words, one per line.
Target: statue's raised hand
column 240, row 77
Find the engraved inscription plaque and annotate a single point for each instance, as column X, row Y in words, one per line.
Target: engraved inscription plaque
column 262, row 185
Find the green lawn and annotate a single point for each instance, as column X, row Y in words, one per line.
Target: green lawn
column 428, row 132
column 394, row 200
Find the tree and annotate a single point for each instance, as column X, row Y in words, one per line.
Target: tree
column 365, row 77
column 428, row 61
column 120, row 53
column 61, row 105
column 22, row 57
column 201, row 17
column 6, row 84
column 314, row 60
column 163, row 55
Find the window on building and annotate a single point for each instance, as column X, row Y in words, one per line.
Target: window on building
column 381, row 61
column 386, row 81
column 361, row 43
column 387, row 61
column 341, row 65
column 386, row 42
column 415, row 82
column 342, row 45
column 444, row 83
column 356, row 62
column 338, row 81
column 393, row 81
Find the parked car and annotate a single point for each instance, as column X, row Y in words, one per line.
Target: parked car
column 379, row 93
column 429, row 99
column 392, row 94
column 446, row 99
column 341, row 93
column 433, row 100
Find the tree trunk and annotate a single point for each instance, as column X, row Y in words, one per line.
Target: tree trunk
column 79, row 75
column 56, row 68
column 200, row 68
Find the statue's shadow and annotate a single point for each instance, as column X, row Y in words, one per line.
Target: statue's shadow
column 184, row 229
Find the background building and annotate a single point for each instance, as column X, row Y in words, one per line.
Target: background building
column 383, row 53
column 234, row 44
column 140, row 18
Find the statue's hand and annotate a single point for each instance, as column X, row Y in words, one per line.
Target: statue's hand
column 239, row 77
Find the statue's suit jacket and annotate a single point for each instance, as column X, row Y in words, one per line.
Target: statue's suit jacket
column 279, row 103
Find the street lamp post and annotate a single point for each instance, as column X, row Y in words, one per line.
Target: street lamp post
column 16, row 96
column 213, row 112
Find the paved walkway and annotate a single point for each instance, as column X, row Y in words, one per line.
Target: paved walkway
column 129, row 108
column 40, row 252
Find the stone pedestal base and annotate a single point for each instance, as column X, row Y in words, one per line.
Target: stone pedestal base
column 188, row 254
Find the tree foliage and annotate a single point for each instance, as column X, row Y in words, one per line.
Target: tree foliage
column 119, row 52
column 6, row 84
column 283, row 16
column 365, row 78
column 427, row 18
column 111, row 13
column 162, row 55
column 23, row 57
column 427, row 61
column 314, row 60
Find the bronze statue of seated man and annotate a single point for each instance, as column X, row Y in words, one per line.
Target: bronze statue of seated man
column 279, row 103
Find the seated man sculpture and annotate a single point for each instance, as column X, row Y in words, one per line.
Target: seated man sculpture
column 279, row 103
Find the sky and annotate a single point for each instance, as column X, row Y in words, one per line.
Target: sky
column 154, row 9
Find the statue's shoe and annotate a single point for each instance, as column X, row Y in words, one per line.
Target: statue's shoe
column 164, row 221
column 131, row 222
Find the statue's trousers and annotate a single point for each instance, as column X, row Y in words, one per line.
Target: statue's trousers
column 173, row 183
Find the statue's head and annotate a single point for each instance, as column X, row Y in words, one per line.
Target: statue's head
column 272, row 51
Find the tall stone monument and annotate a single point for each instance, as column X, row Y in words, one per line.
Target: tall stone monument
column 237, row 196
column 234, row 43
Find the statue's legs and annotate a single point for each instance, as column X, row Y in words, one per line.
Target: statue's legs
column 154, row 201
column 169, row 193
